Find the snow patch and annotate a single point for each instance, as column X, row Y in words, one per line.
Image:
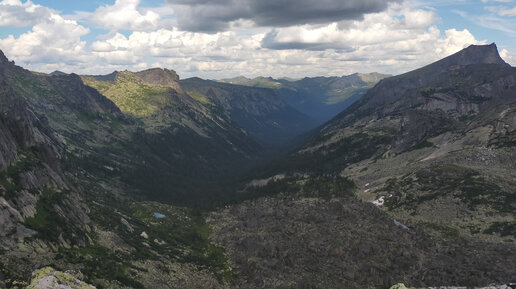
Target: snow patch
column 379, row 202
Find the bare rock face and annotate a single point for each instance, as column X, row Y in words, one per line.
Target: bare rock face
column 160, row 76
column 35, row 195
column 473, row 54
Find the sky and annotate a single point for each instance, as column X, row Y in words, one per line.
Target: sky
column 217, row 39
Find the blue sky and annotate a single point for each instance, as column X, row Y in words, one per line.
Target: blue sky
column 225, row 38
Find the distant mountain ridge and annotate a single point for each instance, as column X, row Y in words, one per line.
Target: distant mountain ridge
column 321, row 98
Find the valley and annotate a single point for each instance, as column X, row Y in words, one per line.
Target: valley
column 145, row 180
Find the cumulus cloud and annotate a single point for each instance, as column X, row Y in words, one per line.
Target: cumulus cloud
column 395, row 25
column 212, row 16
column 54, row 40
column 394, row 40
column 16, row 13
column 124, row 14
column 508, row 57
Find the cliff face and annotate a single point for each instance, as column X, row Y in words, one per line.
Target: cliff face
column 165, row 77
column 33, row 188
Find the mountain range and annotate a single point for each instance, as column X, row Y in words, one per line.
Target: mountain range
column 143, row 180
column 320, row 98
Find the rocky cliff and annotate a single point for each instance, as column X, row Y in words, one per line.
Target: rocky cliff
column 39, row 207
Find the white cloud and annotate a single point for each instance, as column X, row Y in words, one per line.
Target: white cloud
column 124, row 14
column 16, row 13
column 393, row 41
column 398, row 23
column 402, row 38
column 55, row 40
column 508, row 56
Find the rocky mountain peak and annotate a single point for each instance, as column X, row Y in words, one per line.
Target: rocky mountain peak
column 473, row 54
column 159, row 76
column 478, row 54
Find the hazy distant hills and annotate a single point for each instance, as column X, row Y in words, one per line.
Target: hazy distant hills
column 321, row 98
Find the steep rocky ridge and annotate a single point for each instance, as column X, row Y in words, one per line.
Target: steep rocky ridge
column 432, row 142
column 40, row 208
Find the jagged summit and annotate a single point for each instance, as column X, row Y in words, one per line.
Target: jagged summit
column 158, row 76
column 474, row 54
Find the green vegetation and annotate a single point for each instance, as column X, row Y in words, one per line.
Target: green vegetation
column 98, row 262
column 45, row 216
column 133, row 96
column 345, row 151
column 467, row 118
column 446, row 231
column 448, row 179
column 186, row 235
column 181, row 236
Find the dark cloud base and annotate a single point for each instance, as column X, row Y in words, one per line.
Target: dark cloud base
column 215, row 15
column 270, row 42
